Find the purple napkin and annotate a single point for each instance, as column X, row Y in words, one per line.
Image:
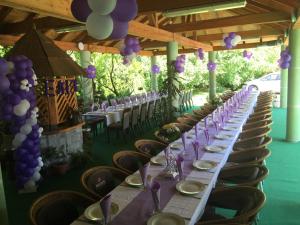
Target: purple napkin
column 196, row 130
column 105, row 205
column 183, row 138
column 167, row 153
column 179, row 163
column 144, row 173
column 155, row 190
column 205, row 122
column 196, row 146
column 216, row 123
column 206, row 134
column 103, row 106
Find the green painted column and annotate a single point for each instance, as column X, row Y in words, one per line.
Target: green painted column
column 293, row 104
column 212, row 76
column 85, row 83
column 3, row 209
column 154, row 86
column 172, row 53
column 283, row 85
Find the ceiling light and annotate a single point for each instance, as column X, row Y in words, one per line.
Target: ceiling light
column 217, row 6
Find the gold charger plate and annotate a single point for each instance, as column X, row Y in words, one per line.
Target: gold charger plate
column 223, row 136
column 215, row 148
column 134, row 180
column 176, row 146
column 190, row 187
column 94, row 212
column 204, row 164
column 158, row 160
column 166, row 219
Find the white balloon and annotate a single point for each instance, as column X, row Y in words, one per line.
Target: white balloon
column 29, row 184
column 36, row 176
column 40, row 159
column 233, row 42
column 22, row 108
column 237, row 38
column 41, row 130
column 11, row 66
column 31, row 121
column 26, row 129
column 37, row 169
column 103, row 7
column 41, row 164
column 98, row 26
column 18, row 139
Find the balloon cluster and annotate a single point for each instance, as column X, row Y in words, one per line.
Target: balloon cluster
column 130, row 48
column 231, row 40
column 105, row 18
column 285, row 59
column 155, row 69
column 19, row 109
column 91, row 72
column 247, row 54
column 200, row 54
column 179, row 64
column 211, row 66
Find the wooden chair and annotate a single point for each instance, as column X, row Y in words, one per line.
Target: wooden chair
column 161, row 138
column 143, row 115
column 193, row 116
column 256, row 124
column 134, row 121
column 246, row 201
column 259, row 113
column 150, row 113
column 187, row 121
column 253, row 133
column 183, row 127
column 100, row 180
column 149, row 147
column 242, row 175
column 260, row 117
column 122, row 126
column 113, row 102
column 59, row 208
column 129, row 161
column 253, row 143
column 251, row 156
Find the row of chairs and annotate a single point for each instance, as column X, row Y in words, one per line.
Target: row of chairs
column 186, row 100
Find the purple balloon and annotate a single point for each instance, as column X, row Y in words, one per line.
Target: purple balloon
column 14, row 99
column 4, row 84
column 129, row 41
column 136, row 48
column 28, row 144
column 128, row 50
column 285, row 65
column 20, row 153
column 80, row 10
column 21, row 74
column 120, row 30
column 28, row 172
column 227, row 40
column 3, row 66
column 21, row 166
column 228, row 46
column 125, row 10
column 7, row 109
column 21, row 65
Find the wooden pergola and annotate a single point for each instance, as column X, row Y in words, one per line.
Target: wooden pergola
column 261, row 22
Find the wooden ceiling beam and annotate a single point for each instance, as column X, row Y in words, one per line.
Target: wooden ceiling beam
column 9, row 40
column 61, row 9
column 296, row 25
column 258, row 18
column 4, row 12
column 272, row 5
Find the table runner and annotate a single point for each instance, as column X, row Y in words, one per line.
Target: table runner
column 136, row 205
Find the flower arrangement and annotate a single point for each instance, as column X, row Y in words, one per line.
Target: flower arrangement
column 169, row 133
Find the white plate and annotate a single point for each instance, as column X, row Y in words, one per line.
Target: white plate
column 215, row 148
column 204, row 164
column 165, row 219
column 223, row 136
column 134, row 180
column 190, row 187
column 229, row 128
column 176, row 146
column 158, row 160
column 235, row 121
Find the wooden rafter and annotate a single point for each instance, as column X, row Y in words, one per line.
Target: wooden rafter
column 4, row 12
column 259, row 18
column 8, row 40
column 296, row 25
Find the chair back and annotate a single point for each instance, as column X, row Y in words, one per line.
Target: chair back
column 120, row 100
column 257, row 124
column 113, row 102
column 149, row 147
column 126, row 118
column 129, row 161
column 183, row 127
column 100, row 180
column 253, row 133
column 251, row 156
column 260, row 117
column 143, row 113
column 151, row 107
column 188, row 121
column 135, row 115
column 59, row 208
column 252, row 143
column 161, row 138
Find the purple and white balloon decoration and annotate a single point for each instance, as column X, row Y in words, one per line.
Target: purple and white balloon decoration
column 285, row 59
column 130, row 48
column 17, row 80
column 179, row 64
column 247, row 55
column 200, row 54
column 231, row 40
column 105, row 18
column 91, row 72
column 155, row 69
column 211, row 66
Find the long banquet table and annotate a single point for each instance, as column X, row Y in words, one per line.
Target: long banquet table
column 136, row 205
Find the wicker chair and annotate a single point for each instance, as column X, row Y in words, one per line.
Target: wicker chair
column 149, row 147
column 134, row 121
column 252, row 133
column 193, row 116
column 265, row 116
column 59, row 208
column 100, row 180
column 129, row 161
column 187, row 121
column 160, row 138
column 256, row 124
column 253, row 143
column 183, row 127
column 242, row 175
column 251, row 156
column 259, row 113
column 247, row 201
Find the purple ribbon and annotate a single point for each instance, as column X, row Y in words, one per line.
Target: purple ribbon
column 144, row 173
column 183, row 138
column 205, row 122
column 206, row 134
column 105, row 204
column 179, row 163
column 155, row 190
column 196, row 146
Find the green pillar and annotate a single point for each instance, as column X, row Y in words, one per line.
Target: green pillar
column 172, row 53
column 86, row 84
column 154, row 86
column 212, row 76
column 293, row 104
column 283, row 85
column 3, row 210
